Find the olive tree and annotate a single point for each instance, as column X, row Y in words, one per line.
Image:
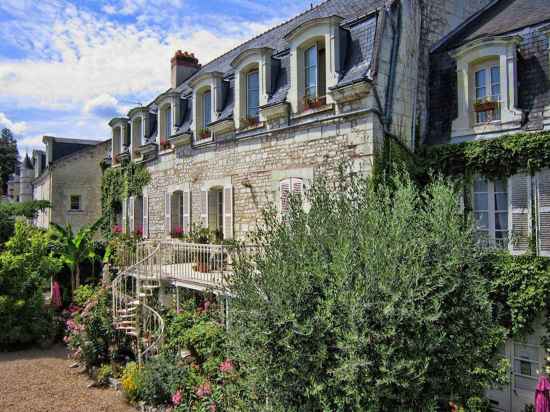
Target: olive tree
column 365, row 296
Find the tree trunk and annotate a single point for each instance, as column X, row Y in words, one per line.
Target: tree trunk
column 72, row 283
column 77, row 279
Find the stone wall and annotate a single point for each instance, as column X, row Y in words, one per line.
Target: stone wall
column 255, row 165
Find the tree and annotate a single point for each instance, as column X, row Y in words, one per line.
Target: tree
column 8, row 157
column 10, row 211
column 372, row 300
column 75, row 249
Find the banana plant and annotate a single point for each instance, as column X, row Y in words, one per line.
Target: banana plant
column 75, row 249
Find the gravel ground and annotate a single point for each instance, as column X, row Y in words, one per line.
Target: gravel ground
column 40, row 380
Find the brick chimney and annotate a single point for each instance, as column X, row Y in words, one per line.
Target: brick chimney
column 184, row 65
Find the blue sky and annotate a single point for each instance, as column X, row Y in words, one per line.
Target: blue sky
column 67, row 67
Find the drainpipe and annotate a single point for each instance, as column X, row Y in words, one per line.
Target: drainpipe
column 395, row 25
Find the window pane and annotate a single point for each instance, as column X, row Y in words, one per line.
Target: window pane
column 482, row 220
column 168, row 123
column 501, row 185
column 501, row 201
column 501, row 221
column 310, row 66
column 207, row 109
column 481, row 201
column 481, row 185
column 253, row 95
column 480, row 84
column 495, row 82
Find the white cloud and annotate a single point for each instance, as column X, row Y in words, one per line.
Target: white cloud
column 15, row 127
column 104, row 105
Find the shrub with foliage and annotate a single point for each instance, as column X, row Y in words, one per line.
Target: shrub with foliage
column 373, row 300
column 25, row 267
column 10, row 211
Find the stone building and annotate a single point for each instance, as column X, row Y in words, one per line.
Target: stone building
column 68, row 175
column 243, row 131
column 491, row 78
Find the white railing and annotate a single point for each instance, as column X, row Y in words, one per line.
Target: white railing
column 130, row 290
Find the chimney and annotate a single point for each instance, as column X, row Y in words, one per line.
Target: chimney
column 184, row 65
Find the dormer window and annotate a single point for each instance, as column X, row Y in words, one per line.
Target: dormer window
column 486, row 87
column 252, row 94
column 487, row 93
column 165, row 127
column 208, row 98
column 137, row 133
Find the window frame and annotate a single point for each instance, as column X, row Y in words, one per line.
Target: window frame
column 488, row 70
column 167, row 121
column 255, row 72
column 79, row 201
column 492, row 212
column 204, row 111
column 307, row 69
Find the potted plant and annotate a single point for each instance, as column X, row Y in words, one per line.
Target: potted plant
column 178, row 232
column 485, row 105
column 249, row 122
column 314, row 102
column 204, row 133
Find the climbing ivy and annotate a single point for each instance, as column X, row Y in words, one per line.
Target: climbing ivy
column 117, row 184
column 521, row 284
column 502, row 157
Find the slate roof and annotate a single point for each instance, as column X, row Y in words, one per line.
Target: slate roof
column 358, row 60
column 503, row 17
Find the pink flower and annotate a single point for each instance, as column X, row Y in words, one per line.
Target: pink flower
column 66, row 339
column 212, row 407
column 73, row 308
column 117, row 229
column 226, row 366
column 176, row 398
column 204, row 390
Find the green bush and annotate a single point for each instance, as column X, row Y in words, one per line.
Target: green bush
column 103, row 374
column 372, row 300
column 10, row 211
column 25, row 267
column 82, row 294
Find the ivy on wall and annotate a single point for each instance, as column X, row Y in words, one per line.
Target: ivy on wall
column 493, row 158
column 118, row 184
column 520, row 284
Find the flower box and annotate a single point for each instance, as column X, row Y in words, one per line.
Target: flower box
column 204, row 134
column 314, row 103
column 485, row 106
column 249, row 122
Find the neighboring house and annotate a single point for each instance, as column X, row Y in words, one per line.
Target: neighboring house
column 490, row 78
column 256, row 124
column 20, row 182
column 68, row 175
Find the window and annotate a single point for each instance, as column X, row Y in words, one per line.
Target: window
column 252, row 94
column 310, row 67
column 525, row 366
column 292, row 185
column 168, row 122
column 491, row 210
column 215, row 211
column 206, row 109
column 487, row 94
column 75, row 202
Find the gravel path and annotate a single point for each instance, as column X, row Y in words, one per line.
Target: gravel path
column 40, row 380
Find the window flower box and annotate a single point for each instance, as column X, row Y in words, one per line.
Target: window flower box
column 249, row 122
column 485, row 106
column 311, row 103
column 204, row 134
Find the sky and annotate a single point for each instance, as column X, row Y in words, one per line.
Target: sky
column 68, row 66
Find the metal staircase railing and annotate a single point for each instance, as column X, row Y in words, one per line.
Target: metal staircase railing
column 131, row 290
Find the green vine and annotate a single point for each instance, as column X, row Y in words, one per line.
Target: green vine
column 521, row 284
column 118, row 184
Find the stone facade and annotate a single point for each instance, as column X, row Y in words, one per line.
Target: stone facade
column 77, row 174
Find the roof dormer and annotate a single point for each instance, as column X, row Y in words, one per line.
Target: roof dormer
column 209, row 91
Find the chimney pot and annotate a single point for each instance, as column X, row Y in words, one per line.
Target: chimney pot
column 184, row 65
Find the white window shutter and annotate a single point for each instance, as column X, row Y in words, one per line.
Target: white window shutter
column 543, row 210
column 124, row 215
column 145, row 217
column 297, row 186
column 228, row 212
column 186, row 211
column 204, row 207
column 284, row 196
column 131, row 215
column 168, row 213
column 519, row 200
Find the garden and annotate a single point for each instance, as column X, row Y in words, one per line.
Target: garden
column 378, row 297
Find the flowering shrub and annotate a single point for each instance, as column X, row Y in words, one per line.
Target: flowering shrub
column 129, row 380
column 117, row 229
column 178, row 232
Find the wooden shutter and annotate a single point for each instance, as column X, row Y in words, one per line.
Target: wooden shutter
column 228, row 212
column 519, row 200
column 284, row 196
column 543, row 212
column 145, row 217
column 186, row 211
column 204, row 207
column 297, row 186
column 168, row 213
column 131, row 215
column 125, row 215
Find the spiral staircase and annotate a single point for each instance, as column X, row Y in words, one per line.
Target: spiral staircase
column 133, row 290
